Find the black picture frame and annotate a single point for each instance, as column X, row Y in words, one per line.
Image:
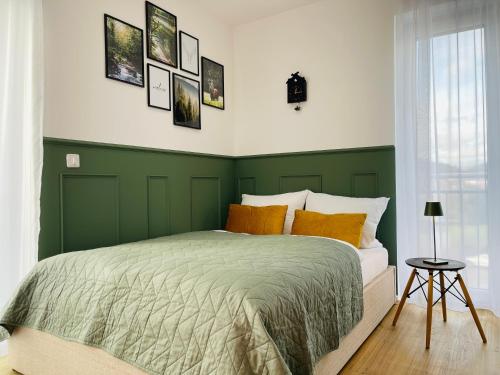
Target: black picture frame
column 149, row 66
column 108, row 65
column 176, row 110
column 181, row 34
column 205, row 61
column 148, row 37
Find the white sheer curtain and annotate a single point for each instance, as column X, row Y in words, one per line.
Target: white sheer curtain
column 447, row 60
column 21, row 92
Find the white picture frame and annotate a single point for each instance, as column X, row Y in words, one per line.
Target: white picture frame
column 189, row 53
column 159, row 88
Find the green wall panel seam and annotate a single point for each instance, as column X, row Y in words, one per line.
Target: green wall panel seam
column 318, row 152
column 62, row 141
column 70, row 142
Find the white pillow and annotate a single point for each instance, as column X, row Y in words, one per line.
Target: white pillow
column 294, row 201
column 334, row 204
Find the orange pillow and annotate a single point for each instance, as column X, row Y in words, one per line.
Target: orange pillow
column 256, row 220
column 345, row 227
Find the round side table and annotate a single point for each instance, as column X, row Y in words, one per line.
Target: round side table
column 451, row 266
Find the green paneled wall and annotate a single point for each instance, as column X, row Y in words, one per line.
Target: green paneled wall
column 123, row 194
column 362, row 172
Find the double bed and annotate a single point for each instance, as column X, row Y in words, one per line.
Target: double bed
column 200, row 303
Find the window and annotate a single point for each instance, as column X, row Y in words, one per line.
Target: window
column 458, row 151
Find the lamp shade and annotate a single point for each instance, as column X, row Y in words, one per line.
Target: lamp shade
column 433, row 209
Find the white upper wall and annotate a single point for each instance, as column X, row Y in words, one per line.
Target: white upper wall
column 344, row 48
column 237, row 12
column 82, row 104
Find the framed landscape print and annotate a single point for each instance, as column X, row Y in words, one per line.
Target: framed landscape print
column 190, row 53
column 158, row 87
column 186, row 102
column 161, row 35
column 212, row 83
column 124, row 51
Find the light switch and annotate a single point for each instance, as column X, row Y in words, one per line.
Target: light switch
column 73, row 160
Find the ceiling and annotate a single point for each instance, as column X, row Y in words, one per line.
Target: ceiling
column 237, row 12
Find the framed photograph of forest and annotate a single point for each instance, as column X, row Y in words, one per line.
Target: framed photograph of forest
column 212, row 83
column 158, row 87
column 161, row 35
column 124, row 51
column 186, row 93
column 189, row 53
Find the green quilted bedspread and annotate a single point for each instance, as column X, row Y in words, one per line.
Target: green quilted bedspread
column 199, row 303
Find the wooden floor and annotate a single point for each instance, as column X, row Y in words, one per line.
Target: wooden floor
column 4, row 368
column 456, row 347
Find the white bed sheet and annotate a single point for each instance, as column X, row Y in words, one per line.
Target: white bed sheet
column 373, row 262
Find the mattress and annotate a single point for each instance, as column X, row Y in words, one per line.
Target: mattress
column 373, row 262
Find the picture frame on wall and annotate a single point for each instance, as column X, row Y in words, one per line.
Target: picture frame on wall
column 186, row 101
column 212, row 77
column 159, row 87
column 124, row 51
column 189, row 53
column 161, row 35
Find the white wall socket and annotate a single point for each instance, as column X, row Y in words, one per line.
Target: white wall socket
column 73, row 160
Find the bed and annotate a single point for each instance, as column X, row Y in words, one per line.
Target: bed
column 235, row 304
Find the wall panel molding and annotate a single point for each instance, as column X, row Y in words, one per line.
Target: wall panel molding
column 117, row 192
column 158, row 204
column 365, row 184
column 123, row 194
column 205, row 203
column 89, row 210
column 289, row 183
column 245, row 185
column 363, row 172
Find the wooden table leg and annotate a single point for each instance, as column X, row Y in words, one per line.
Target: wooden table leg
column 471, row 307
column 404, row 296
column 443, row 294
column 429, row 311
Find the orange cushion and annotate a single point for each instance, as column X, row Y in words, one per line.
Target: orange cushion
column 256, row 220
column 345, row 227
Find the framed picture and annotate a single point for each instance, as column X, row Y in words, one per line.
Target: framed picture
column 158, row 87
column 161, row 35
column 190, row 53
column 212, row 83
column 124, row 51
column 186, row 102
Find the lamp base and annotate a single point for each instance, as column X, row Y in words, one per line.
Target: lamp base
column 435, row 262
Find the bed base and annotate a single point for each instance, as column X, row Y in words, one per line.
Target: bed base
column 33, row 352
column 378, row 296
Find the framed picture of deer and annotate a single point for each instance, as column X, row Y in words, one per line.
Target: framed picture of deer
column 212, row 83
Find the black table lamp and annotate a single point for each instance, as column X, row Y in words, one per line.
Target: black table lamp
column 434, row 209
